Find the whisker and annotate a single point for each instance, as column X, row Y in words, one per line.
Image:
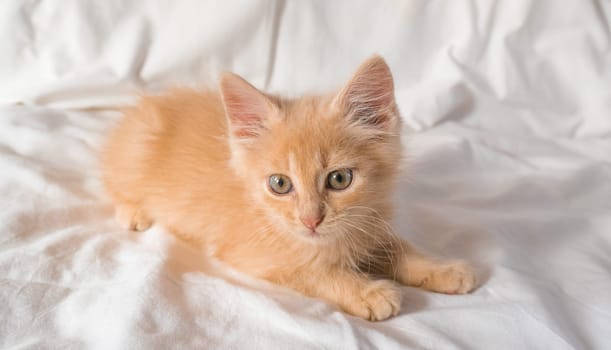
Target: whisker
column 390, row 245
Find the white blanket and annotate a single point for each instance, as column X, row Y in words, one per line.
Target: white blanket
column 509, row 167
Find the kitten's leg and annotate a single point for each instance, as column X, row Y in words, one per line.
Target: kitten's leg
column 354, row 293
column 418, row 270
column 132, row 217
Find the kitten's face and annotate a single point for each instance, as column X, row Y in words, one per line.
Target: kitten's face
column 319, row 167
column 317, row 176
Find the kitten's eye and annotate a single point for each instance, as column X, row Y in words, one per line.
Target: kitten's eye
column 339, row 179
column 280, row 184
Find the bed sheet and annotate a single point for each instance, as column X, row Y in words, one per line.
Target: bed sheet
column 507, row 106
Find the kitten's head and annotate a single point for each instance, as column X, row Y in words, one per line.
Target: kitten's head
column 319, row 167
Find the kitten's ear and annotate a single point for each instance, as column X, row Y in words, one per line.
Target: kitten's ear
column 368, row 99
column 246, row 107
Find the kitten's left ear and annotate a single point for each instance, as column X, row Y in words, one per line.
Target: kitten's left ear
column 247, row 108
column 368, row 99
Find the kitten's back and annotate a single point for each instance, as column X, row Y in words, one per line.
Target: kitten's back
column 169, row 149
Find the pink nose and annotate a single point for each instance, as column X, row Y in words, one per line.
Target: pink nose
column 312, row 222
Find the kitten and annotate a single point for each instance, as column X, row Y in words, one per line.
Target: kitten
column 296, row 192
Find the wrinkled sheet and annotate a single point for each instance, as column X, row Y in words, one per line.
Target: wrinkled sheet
column 507, row 106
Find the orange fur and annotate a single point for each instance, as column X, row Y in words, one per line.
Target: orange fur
column 198, row 163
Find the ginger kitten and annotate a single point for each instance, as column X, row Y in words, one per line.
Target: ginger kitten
column 296, row 192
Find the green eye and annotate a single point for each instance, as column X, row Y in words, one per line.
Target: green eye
column 339, row 179
column 280, row 184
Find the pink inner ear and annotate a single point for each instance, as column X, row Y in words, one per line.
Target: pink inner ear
column 245, row 117
column 246, row 107
column 369, row 95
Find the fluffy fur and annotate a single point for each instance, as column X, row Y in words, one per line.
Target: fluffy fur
column 198, row 163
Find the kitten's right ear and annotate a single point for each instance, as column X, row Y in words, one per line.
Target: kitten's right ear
column 246, row 107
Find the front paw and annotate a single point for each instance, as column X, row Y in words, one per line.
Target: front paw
column 378, row 301
column 132, row 218
column 454, row 278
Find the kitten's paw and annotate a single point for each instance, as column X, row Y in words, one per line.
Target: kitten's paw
column 453, row 278
column 378, row 301
column 132, row 218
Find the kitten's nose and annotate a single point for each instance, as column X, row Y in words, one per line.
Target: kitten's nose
column 312, row 222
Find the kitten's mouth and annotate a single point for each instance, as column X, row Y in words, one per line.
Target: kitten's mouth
column 311, row 234
column 314, row 234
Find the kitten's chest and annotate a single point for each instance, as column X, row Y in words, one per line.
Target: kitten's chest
column 261, row 256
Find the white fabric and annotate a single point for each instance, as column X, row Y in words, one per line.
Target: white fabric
column 509, row 167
